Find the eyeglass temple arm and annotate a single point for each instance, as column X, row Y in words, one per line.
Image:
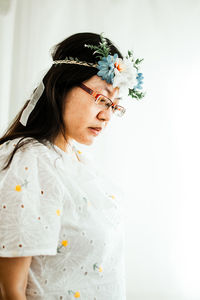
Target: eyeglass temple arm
column 87, row 89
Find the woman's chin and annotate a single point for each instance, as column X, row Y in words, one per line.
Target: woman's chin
column 86, row 141
column 89, row 141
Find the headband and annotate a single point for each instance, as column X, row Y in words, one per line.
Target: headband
column 122, row 73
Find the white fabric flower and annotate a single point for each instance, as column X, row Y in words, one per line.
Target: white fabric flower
column 125, row 75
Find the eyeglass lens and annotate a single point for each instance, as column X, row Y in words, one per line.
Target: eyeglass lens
column 106, row 102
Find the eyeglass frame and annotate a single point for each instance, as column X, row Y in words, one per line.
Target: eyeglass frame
column 96, row 96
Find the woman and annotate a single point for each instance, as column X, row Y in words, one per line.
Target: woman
column 61, row 233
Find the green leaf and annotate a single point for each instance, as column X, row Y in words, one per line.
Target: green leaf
column 138, row 61
column 130, row 53
column 103, row 49
column 135, row 94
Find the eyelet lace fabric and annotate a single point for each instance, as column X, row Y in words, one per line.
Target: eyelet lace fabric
column 68, row 216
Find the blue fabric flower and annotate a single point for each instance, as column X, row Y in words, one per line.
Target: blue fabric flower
column 106, row 67
column 140, row 81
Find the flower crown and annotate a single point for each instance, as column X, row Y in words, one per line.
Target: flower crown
column 122, row 73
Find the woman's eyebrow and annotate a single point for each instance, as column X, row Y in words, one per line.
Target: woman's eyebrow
column 109, row 91
column 103, row 88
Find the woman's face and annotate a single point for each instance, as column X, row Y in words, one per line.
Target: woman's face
column 81, row 112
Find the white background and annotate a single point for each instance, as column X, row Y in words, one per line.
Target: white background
column 153, row 152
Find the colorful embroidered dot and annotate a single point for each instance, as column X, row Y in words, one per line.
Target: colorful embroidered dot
column 76, row 294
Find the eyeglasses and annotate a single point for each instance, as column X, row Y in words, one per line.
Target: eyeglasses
column 104, row 101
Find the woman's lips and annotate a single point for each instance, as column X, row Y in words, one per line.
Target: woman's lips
column 95, row 131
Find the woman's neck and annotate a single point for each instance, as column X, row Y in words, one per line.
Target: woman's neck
column 64, row 145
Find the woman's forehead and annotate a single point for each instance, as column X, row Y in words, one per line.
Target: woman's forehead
column 107, row 89
column 103, row 87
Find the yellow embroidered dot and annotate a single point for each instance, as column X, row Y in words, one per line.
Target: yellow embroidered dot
column 18, row 188
column 79, row 152
column 64, row 243
column 77, row 295
column 58, row 212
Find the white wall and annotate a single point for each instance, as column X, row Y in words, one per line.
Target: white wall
column 154, row 150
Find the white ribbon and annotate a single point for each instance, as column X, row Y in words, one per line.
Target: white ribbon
column 34, row 99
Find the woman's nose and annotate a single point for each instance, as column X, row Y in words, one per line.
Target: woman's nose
column 105, row 114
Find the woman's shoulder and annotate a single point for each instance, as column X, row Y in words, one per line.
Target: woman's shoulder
column 30, row 150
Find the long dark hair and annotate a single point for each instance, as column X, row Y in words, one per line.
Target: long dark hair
column 46, row 120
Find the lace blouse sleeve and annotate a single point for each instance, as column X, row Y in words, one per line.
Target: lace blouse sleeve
column 30, row 205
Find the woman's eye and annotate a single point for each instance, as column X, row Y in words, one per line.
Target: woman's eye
column 102, row 100
column 108, row 103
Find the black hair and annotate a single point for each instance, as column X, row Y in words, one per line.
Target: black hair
column 46, row 120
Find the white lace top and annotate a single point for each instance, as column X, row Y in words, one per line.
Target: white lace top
column 67, row 215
